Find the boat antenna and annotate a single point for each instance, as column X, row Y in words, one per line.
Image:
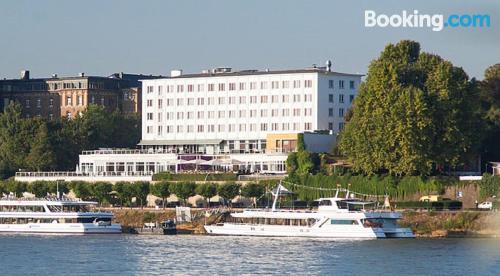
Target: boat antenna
column 276, row 196
column 337, row 191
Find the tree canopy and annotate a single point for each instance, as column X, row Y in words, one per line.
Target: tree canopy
column 414, row 113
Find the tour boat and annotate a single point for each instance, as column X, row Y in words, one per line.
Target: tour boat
column 54, row 215
column 336, row 217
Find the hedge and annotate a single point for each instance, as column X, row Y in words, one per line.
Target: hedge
column 195, row 177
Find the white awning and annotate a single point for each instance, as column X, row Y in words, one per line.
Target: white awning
column 179, row 142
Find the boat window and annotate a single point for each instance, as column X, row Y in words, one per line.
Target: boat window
column 325, row 202
column 368, row 223
column 21, row 208
column 342, row 204
column 344, row 221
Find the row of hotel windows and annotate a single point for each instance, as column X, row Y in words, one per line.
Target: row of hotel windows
column 231, row 128
column 232, row 100
column 341, row 98
column 231, row 86
column 296, row 112
column 242, row 86
column 69, row 101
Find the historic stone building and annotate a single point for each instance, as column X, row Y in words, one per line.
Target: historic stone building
column 69, row 96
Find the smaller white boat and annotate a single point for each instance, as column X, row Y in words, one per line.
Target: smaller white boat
column 336, row 217
column 53, row 215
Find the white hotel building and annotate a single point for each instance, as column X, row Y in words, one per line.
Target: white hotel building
column 223, row 120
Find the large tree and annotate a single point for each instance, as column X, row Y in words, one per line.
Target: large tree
column 413, row 113
column 490, row 108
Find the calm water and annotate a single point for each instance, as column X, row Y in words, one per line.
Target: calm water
column 133, row 255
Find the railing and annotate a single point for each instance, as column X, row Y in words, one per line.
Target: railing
column 160, row 151
column 76, row 174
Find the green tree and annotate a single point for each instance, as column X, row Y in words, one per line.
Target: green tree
column 207, row 191
column 291, row 163
column 305, row 161
column 81, row 189
column 54, row 186
column 14, row 140
column 253, row 190
column 489, row 96
column 38, row 188
column 183, row 190
column 161, row 189
column 412, row 113
column 15, row 187
column 41, row 157
column 122, row 191
column 140, row 191
column 228, row 191
column 101, row 191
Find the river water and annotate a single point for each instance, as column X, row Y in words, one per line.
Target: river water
column 194, row 255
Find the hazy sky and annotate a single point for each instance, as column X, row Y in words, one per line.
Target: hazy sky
column 101, row 37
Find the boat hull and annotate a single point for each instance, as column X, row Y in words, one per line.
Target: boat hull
column 288, row 231
column 61, row 228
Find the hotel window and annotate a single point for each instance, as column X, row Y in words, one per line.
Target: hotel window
column 38, row 103
column 351, row 98
column 180, row 102
column 296, row 112
column 243, row 100
column 211, row 101
column 341, row 98
column 160, row 103
column 275, row 84
column 253, row 127
column 27, row 103
column 296, row 84
column 285, row 98
column 180, row 88
column 190, row 101
column 341, row 112
column 263, row 85
column 275, row 126
column 51, row 116
column 253, row 113
column 351, row 84
column 149, row 129
column 160, row 115
column 263, row 113
column 242, row 86
column 330, row 98
column 330, row 126
column 330, row 112
column 170, row 115
column 263, row 99
column 284, row 84
column 211, row 87
column 232, row 100
column 69, row 100
column 232, row 127
column 308, row 83
column 80, row 100
column 190, row 88
column 243, row 127
column 221, row 128
column 232, row 114
column 274, row 99
column 341, row 126
column 253, row 85
column 200, row 128
column 180, row 115
column 296, row 98
column 51, row 102
column 180, row 129
column 201, row 114
column 149, row 116
column 190, row 115
column 160, row 130
column 221, row 114
column 330, row 84
column 221, row 100
column 285, row 126
column 307, row 111
column 285, row 112
column 243, row 113
column 307, row 126
column 160, row 90
column 149, row 103
column 222, row 87
column 274, row 113
column 200, row 87
column 308, row 98
column 263, row 127
column 232, row 86
column 296, row 126
column 190, row 129
column 149, row 89
column 211, row 128
column 102, row 100
column 201, row 101
column 92, row 100
column 341, row 84
column 211, row 114
column 253, row 99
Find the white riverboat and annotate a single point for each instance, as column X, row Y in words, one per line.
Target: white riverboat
column 336, row 217
column 53, row 215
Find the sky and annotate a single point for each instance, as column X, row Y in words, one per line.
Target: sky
column 101, row 37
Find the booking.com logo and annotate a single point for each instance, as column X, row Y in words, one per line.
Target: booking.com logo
column 435, row 21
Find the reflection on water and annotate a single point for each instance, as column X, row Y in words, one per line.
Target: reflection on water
column 132, row 255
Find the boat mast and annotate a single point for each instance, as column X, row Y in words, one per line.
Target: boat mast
column 276, row 197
